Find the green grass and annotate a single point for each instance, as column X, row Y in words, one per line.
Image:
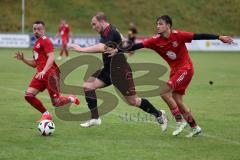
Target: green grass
column 215, row 107
column 219, row 17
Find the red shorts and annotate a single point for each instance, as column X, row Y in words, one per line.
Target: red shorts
column 180, row 79
column 50, row 82
column 64, row 42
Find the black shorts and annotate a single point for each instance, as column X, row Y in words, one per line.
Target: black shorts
column 104, row 75
column 119, row 74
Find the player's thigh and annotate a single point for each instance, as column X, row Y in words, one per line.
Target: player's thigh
column 52, row 82
column 165, row 89
column 100, row 79
column 121, row 76
column 180, row 80
column 36, row 86
column 93, row 83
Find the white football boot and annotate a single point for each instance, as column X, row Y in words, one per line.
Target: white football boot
column 91, row 122
column 195, row 131
column 179, row 128
column 59, row 58
column 163, row 121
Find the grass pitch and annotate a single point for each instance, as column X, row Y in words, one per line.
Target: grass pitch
column 215, row 107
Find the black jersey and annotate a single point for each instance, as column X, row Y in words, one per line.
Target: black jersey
column 110, row 37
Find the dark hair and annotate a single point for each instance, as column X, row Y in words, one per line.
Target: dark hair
column 39, row 22
column 166, row 18
column 100, row 16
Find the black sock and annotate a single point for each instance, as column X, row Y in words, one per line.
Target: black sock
column 149, row 108
column 91, row 99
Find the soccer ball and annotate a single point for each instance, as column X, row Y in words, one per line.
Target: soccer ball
column 46, row 127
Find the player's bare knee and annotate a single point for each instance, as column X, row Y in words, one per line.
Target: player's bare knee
column 166, row 96
column 132, row 102
column 88, row 87
column 28, row 96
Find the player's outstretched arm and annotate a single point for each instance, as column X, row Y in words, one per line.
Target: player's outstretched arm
column 98, row 48
column 111, row 51
column 20, row 56
column 224, row 39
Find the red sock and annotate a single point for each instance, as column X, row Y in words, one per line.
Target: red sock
column 176, row 113
column 189, row 118
column 36, row 103
column 60, row 101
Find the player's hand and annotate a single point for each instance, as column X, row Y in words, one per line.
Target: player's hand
column 40, row 75
column 74, row 47
column 110, row 51
column 226, row 39
column 19, row 56
column 130, row 53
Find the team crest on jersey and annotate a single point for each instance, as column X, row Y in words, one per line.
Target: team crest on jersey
column 38, row 45
column 174, row 43
column 171, row 55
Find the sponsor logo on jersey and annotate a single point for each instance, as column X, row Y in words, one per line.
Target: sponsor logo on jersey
column 38, row 45
column 171, row 55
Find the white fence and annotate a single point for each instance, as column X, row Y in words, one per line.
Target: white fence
column 26, row 41
column 14, row 40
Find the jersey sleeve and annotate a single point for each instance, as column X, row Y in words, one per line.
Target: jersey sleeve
column 186, row 36
column 47, row 46
column 149, row 43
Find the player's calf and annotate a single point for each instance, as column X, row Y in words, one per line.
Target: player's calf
column 36, row 103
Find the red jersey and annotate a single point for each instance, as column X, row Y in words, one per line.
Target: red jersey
column 41, row 48
column 64, row 31
column 172, row 49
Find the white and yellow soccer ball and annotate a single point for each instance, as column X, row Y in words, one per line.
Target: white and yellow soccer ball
column 46, row 127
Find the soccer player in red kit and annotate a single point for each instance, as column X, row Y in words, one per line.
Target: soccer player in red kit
column 64, row 31
column 47, row 76
column 170, row 45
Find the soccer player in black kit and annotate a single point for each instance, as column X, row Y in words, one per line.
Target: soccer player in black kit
column 115, row 71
